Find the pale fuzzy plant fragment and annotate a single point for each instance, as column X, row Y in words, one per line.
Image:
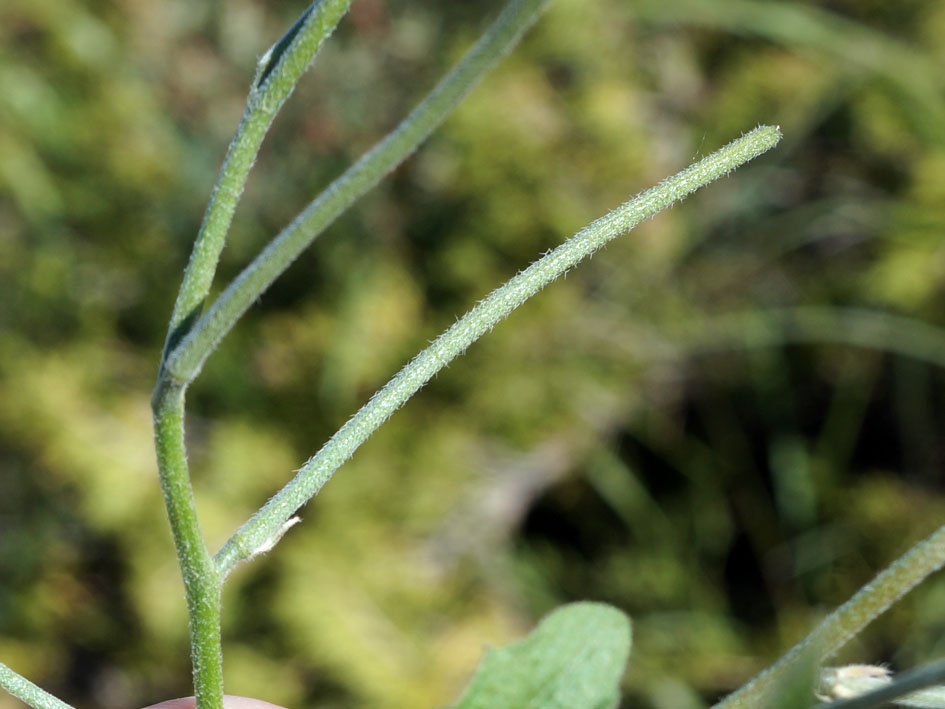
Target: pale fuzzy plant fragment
column 269, row 544
column 851, row 681
column 868, row 686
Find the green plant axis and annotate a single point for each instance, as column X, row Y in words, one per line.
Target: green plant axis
column 839, row 627
column 263, row 527
column 279, row 71
column 202, row 584
column 27, row 692
column 184, row 361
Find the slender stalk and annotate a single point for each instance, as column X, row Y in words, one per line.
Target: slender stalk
column 277, row 74
column 27, row 692
column 185, row 359
column 202, row 584
column 264, row 527
column 849, row 619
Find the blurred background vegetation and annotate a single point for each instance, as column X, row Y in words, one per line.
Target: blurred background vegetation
column 723, row 424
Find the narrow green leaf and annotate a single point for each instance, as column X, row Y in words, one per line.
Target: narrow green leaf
column 574, row 659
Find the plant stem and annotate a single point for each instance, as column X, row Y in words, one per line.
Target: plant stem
column 202, row 584
column 27, row 692
column 184, row 360
column 263, row 527
column 278, row 72
column 849, row 619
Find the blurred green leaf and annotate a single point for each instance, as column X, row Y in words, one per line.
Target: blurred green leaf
column 574, row 659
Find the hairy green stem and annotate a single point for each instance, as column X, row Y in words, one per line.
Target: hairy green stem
column 263, row 528
column 185, row 359
column 202, row 583
column 277, row 74
column 849, row 619
column 27, row 692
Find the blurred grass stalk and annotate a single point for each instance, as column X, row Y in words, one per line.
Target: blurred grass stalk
column 790, row 24
column 774, row 327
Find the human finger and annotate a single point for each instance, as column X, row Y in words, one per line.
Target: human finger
column 229, row 702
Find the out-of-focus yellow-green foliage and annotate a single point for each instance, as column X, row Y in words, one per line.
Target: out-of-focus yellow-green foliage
column 724, row 500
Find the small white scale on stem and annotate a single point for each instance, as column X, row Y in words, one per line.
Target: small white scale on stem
column 274, row 539
column 874, row 685
column 851, row 681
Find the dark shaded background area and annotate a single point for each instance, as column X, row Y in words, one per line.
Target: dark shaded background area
column 689, row 426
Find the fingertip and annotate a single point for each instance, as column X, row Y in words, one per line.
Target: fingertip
column 229, row 702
